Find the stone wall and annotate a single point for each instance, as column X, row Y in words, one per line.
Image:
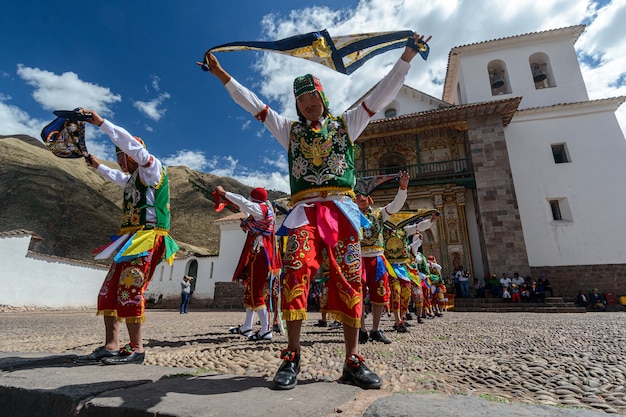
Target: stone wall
column 497, row 210
column 567, row 280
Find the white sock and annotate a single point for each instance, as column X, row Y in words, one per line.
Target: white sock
column 247, row 324
column 262, row 313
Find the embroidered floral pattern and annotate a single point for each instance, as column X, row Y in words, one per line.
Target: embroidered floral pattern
column 299, row 167
column 321, row 158
column 337, row 164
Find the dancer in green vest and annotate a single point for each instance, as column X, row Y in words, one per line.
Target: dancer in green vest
column 320, row 149
column 143, row 243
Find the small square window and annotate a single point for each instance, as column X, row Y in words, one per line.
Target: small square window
column 556, row 210
column 559, row 152
column 560, row 210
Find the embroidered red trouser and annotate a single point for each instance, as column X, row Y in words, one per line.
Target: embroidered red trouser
column 378, row 290
column 416, row 294
column 303, row 257
column 400, row 294
column 121, row 294
column 256, row 282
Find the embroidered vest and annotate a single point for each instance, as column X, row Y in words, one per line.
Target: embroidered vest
column 373, row 235
column 264, row 227
column 320, row 159
column 396, row 247
column 136, row 205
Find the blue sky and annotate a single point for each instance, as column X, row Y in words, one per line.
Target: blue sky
column 133, row 61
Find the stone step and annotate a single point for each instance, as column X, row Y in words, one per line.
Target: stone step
column 519, row 309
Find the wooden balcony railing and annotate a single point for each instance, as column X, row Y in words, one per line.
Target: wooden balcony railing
column 454, row 168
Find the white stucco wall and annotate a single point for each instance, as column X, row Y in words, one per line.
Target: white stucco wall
column 36, row 280
column 30, row 279
column 409, row 101
column 570, row 86
column 211, row 269
column 592, row 183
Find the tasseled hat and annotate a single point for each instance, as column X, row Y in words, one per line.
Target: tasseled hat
column 307, row 84
column 258, row 194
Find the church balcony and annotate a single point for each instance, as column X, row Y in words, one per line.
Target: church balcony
column 454, row 170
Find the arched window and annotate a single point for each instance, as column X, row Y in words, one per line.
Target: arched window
column 541, row 71
column 390, row 112
column 391, row 163
column 498, row 78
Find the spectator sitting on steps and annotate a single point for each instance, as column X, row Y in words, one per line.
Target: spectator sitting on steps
column 597, row 301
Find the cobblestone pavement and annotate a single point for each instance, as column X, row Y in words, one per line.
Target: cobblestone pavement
column 563, row 360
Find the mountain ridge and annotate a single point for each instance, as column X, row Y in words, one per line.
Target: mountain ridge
column 75, row 210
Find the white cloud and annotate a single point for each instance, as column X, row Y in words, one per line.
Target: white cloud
column 14, row 121
column 195, row 160
column 67, row 91
column 278, row 160
column 150, row 108
column 229, row 166
column 452, row 23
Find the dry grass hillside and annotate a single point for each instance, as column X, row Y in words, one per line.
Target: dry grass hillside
column 75, row 210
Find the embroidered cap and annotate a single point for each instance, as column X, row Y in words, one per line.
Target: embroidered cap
column 307, row 84
column 259, row 194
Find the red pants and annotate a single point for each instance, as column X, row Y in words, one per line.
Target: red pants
column 303, row 257
column 256, row 282
column 121, row 294
column 400, row 294
column 378, row 289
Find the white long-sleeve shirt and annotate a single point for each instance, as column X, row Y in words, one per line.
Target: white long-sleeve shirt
column 393, row 207
column 356, row 118
column 149, row 170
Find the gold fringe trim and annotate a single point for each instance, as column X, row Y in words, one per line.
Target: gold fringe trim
column 108, row 313
column 137, row 320
column 321, row 192
column 377, row 304
column 345, row 319
column 294, row 315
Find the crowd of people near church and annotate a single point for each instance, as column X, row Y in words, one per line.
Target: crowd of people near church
column 516, row 289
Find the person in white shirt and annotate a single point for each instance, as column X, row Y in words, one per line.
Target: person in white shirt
column 505, row 283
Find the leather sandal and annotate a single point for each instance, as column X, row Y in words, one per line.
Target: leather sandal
column 258, row 336
column 238, row 330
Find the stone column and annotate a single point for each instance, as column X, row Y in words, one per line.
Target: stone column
column 500, row 227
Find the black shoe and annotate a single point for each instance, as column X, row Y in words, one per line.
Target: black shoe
column 335, row 325
column 420, row 320
column 355, row 372
column 321, row 323
column 409, row 316
column 400, row 328
column 363, row 338
column 287, row 375
column 134, row 357
column 276, row 328
column 379, row 336
column 96, row 355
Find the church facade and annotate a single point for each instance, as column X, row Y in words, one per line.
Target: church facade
column 526, row 170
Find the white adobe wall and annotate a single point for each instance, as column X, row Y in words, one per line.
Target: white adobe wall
column 166, row 279
column 36, row 280
column 593, row 184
